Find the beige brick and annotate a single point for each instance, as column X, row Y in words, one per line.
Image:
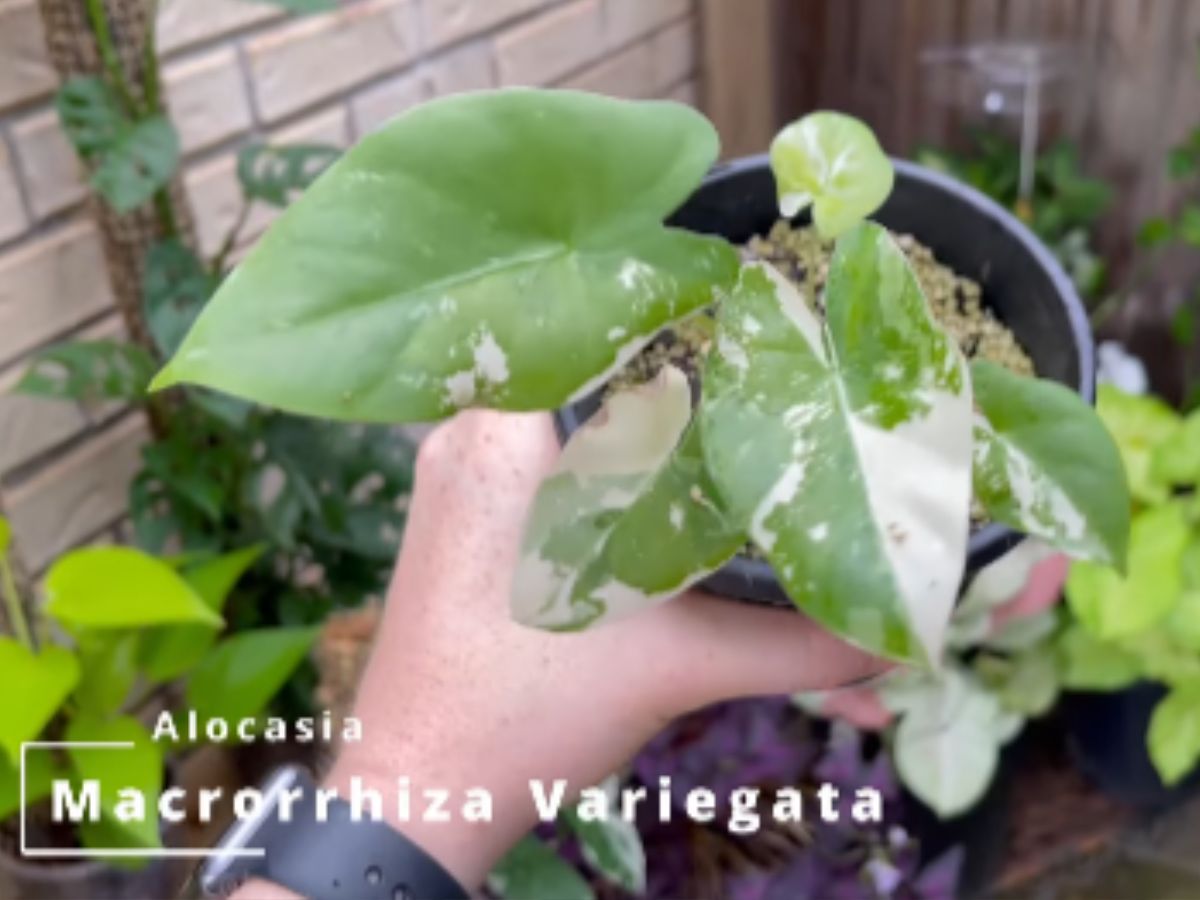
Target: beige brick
column 50, row 285
column 628, row 20
column 185, row 22
column 381, row 102
column 686, row 92
column 53, row 174
column 629, row 73
column 674, row 54
column 314, row 58
column 471, row 67
column 216, row 200
column 207, row 99
column 13, row 220
column 330, row 126
column 30, row 426
column 445, row 21
column 554, row 44
column 25, row 70
column 78, row 495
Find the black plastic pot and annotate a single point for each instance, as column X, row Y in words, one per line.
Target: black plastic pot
column 1106, row 733
column 976, row 237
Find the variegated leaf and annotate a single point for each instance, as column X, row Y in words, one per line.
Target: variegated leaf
column 629, row 517
column 1046, row 465
column 847, row 447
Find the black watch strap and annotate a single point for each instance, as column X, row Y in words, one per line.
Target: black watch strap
column 336, row 858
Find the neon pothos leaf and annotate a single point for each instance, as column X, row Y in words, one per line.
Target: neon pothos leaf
column 834, row 164
column 502, row 249
column 847, row 447
column 1046, row 465
column 629, row 516
column 36, row 686
column 1174, row 736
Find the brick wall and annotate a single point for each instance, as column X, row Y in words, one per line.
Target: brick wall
column 234, row 70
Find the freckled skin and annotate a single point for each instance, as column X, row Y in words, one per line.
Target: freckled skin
column 457, row 695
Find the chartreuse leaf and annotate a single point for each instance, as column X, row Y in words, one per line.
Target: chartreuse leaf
column 109, row 663
column 534, row 871
column 5, row 536
column 242, row 673
column 39, row 777
column 805, row 431
column 1046, row 465
column 138, row 767
column 628, row 517
column 1177, row 459
column 1113, row 606
column 1140, row 426
column 612, row 846
column 1174, row 737
column 833, row 163
column 1090, row 664
column 170, row 651
column 36, row 684
column 119, row 587
column 948, row 742
column 502, row 249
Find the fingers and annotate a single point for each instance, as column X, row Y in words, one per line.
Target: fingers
column 725, row 649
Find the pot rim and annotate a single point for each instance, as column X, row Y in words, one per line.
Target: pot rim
column 993, row 540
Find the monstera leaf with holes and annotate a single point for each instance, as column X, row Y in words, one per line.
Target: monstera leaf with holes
column 428, row 270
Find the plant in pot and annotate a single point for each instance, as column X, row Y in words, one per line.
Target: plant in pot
column 120, row 637
column 1131, row 652
column 507, row 250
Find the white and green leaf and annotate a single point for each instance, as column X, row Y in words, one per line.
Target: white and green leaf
column 502, row 249
column 833, row 163
column 611, row 845
column 628, row 518
column 1046, row 465
column 808, row 429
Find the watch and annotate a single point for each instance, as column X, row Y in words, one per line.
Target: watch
column 335, row 858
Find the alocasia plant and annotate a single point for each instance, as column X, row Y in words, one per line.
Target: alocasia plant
column 117, row 627
column 507, row 250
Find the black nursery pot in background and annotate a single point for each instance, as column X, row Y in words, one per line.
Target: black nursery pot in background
column 973, row 235
column 1106, row 733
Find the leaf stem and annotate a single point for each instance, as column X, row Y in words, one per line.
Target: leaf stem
column 108, row 54
column 12, row 602
column 222, row 258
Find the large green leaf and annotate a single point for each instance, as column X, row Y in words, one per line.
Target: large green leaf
column 276, row 175
column 89, row 371
column 35, row 686
column 628, row 517
column 242, row 673
column 109, row 663
column 119, row 587
column 948, row 742
column 1174, row 737
column 1140, row 426
column 138, row 767
column 834, row 164
column 170, row 651
column 1114, row 606
column 848, row 449
column 502, row 249
column 1046, row 465
column 1090, row 664
column 534, row 871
